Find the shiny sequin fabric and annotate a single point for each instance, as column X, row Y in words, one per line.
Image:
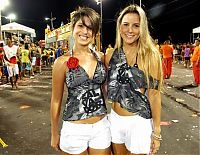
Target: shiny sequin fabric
column 124, row 83
column 85, row 97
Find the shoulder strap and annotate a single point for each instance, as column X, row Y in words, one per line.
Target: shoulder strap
column 71, row 53
column 136, row 65
column 95, row 55
column 122, row 56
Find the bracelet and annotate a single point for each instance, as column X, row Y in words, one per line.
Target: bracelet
column 156, row 136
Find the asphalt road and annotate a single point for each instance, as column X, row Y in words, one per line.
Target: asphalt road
column 25, row 118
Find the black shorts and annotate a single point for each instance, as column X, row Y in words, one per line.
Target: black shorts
column 187, row 58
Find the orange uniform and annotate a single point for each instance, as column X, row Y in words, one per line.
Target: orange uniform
column 195, row 54
column 196, row 64
column 167, row 52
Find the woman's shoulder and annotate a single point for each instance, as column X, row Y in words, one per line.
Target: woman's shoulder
column 63, row 58
column 60, row 64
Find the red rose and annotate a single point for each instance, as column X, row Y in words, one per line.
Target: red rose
column 72, row 63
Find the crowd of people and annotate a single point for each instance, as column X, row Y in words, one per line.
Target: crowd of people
column 20, row 60
column 186, row 54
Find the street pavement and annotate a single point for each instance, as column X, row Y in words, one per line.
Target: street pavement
column 180, row 83
column 25, row 118
column 180, row 114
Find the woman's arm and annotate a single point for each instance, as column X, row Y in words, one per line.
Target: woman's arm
column 58, row 78
column 155, row 104
column 154, row 96
column 155, row 70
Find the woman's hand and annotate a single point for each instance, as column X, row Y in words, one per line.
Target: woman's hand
column 155, row 145
column 55, row 140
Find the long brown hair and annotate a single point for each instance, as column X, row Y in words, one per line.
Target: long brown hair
column 91, row 14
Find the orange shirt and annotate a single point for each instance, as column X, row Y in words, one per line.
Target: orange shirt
column 195, row 54
column 167, row 51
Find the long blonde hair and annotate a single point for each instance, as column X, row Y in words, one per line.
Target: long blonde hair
column 146, row 50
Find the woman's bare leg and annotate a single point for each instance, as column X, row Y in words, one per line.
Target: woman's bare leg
column 106, row 151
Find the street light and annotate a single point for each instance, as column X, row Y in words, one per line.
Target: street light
column 11, row 17
column 51, row 19
column 3, row 3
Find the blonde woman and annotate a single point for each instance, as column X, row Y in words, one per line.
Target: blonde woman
column 85, row 128
column 134, row 70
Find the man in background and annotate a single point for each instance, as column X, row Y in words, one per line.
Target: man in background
column 167, row 53
column 109, row 49
column 11, row 53
column 196, row 63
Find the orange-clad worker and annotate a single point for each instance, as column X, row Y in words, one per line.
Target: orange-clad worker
column 167, row 52
column 196, row 63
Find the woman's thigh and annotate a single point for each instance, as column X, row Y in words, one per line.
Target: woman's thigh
column 83, row 153
column 106, row 151
column 119, row 149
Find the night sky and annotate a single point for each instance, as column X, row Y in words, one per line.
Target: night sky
column 175, row 18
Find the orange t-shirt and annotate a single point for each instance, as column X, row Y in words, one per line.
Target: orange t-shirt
column 195, row 54
column 167, row 51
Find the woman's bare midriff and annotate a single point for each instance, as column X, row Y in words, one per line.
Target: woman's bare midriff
column 89, row 120
column 121, row 111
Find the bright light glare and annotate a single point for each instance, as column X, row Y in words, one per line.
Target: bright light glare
column 3, row 4
column 11, row 16
column 46, row 18
column 98, row 1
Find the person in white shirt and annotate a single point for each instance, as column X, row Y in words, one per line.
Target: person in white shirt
column 11, row 52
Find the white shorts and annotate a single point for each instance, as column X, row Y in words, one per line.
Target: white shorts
column 13, row 69
column 133, row 131
column 76, row 138
column 33, row 63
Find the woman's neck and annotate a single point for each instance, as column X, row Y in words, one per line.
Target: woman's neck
column 130, row 49
column 81, row 49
